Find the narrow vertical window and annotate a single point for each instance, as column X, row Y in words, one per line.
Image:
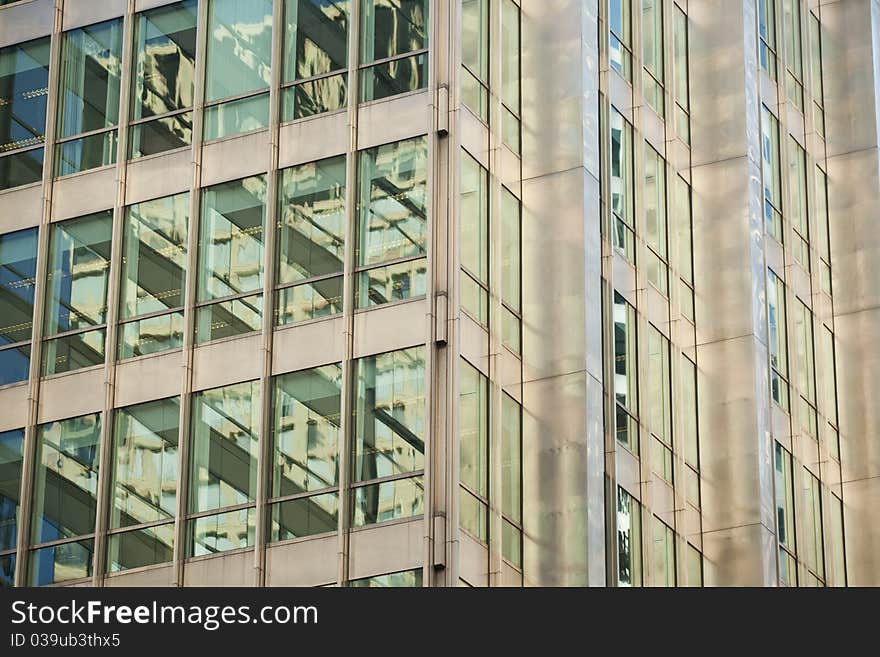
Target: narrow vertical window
column 473, row 431
column 822, row 225
column 394, row 47
column 653, row 54
column 622, row 185
column 511, row 480
column 315, row 78
column 837, row 557
column 683, row 226
column 793, row 52
column 664, row 554
column 88, row 110
column 817, row 84
column 626, row 374
column 771, row 174
column 659, row 403
column 797, row 210
column 629, row 540
column 11, row 455
column 239, row 57
column 620, row 37
column 511, row 270
column 814, row 550
column 767, row 36
column 24, row 92
column 655, row 219
column 475, row 56
column 474, row 204
column 18, row 275
column 510, row 75
column 806, row 367
column 777, row 338
column 785, row 517
column 681, row 74
column 164, row 79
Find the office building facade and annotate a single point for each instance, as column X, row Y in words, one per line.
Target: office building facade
column 439, row 292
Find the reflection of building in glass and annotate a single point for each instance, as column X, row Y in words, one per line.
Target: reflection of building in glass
column 414, row 293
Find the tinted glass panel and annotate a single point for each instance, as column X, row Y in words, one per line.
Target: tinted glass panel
column 305, row 517
column 239, row 47
column 21, row 168
column 392, row 27
column 60, row 563
column 142, row 547
column 18, row 270
column 10, row 480
column 316, row 38
column 389, row 500
column 73, row 352
column 161, row 135
column 221, row 532
column 24, row 90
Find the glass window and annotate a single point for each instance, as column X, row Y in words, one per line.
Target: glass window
column 694, row 566
column 684, row 230
column 145, row 463
column 392, row 219
column 473, row 428
column 622, row 185
column 305, row 516
column 239, row 62
column 232, row 530
column 664, row 554
column 767, row 35
column 620, row 35
column 829, row 376
column 164, row 75
column 652, row 53
column 389, row 415
column 474, row 203
column 66, row 479
column 390, row 30
column 771, row 173
column 316, row 50
column 11, row 454
column 510, row 74
column 626, row 373
column 659, row 402
column 681, row 72
column 813, row 552
column 24, row 91
column 824, row 245
column 61, row 563
column 153, row 275
column 407, row 578
column 231, row 257
column 689, row 411
column 655, row 219
column 785, row 517
column 511, row 479
column 7, row 570
column 629, row 540
column 836, row 556
column 18, row 271
column 225, row 425
column 76, row 292
column 797, row 188
column 311, row 240
column 146, row 546
column 475, row 56
column 793, row 58
column 806, row 370
column 91, row 67
column 388, row 500
column 778, row 340
column 818, row 88
column 511, row 256
column 307, row 409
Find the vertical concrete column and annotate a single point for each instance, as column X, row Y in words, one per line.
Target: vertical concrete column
column 563, row 440
column 739, row 536
column 851, row 70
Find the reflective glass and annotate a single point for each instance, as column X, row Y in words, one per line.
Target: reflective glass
column 625, row 359
column 316, row 37
column 475, row 37
column 405, row 579
column 307, row 301
column 21, row 168
column 771, row 173
column 60, row 563
column 11, row 443
column 236, row 117
column 381, row 285
column 659, row 402
column 225, row 531
column 392, row 27
column 784, row 498
column 225, row 425
column 18, row 271
column 160, row 135
column 389, row 414
column 474, row 200
column 24, row 91
column 66, row 478
column 165, row 56
column 7, row 565
column 394, row 77
column 231, row 238
column 510, row 55
column 307, row 410
column 778, row 341
column 655, row 206
column 142, row 547
column 511, row 256
column 511, row 458
column 145, row 439
column 15, row 364
column 79, row 269
column 151, row 335
column 511, row 543
column 154, row 256
column 392, row 210
column 326, row 94
column 311, row 228
column 813, row 552
column 91, row 66
column 305, row 516
column 629, row 540
column 473, row 428
column 226, row 319
column 664, row 554
column 689, row 411
column 389, row 500
column 239, row 47
column 694, row 566
column 73, row 352
column 90, row 152
column 473, row 515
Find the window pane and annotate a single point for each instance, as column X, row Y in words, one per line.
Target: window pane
column 227, row 319
column 309, row 301
column 510, row 55
column 473, row 515
column 655, row 202
column 511, row 255
column 511, row 458
column 24, row 90
column 73, row 352
column 314, row 97
column 145, row 463
column 813, row 552
column 664, row 554
column 79, row 268
column 142, row 547
column 392, row 283
column 316, row 37
column 689, row 411
column 659, row 404
column 87, row 153
column 225, row 429
column 680, row 54
column 389, row 414
column 511, row 543
column 406, row 579
column 475, row 38
column 225, row 531
column 694, row 567
column 165, row 54
column 15, row 364
column 7, row 568
column 394, row 77
column 91, row 65
column 836, row 557
column 60, row 563
column 21, row 168
column 151, row 335
column 66, row 478
column 473, row 428
column 771, row 173
column 18, row 271
column 625, row 360
column 474, row 199
column 629, row 540
column 784, row 498
column 778, row 342
column 392, row 27
column 685, row 262
column 160, row 135
column 392, row 212
column 311, row 229
column 231, row 238
column 154, row 256
column 237, row 117
column 239, row 47
column 307, row 409
column 390, row 500
column 11, row 443
column 305, row 516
